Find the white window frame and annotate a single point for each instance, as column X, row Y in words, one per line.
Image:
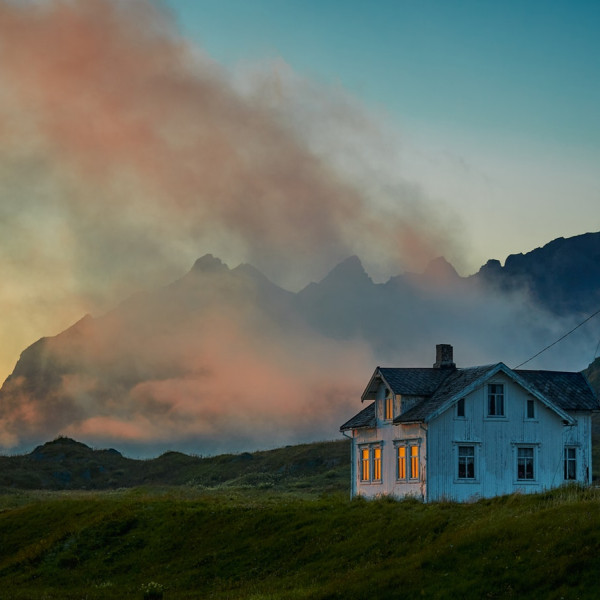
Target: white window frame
column 388, row 401
column 534, row 448
column 495, row 395
column 408, row 444
column 370, row 448
column 567, row 459
column 530, row 402
column 476, row 445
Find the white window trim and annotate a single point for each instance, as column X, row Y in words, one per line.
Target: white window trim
column 515, row 448
column 571, row 447
column 487, row 416
column 370, row 446
column 408, row 443
column 533, row 419
column 458, row 417
column 477, row 446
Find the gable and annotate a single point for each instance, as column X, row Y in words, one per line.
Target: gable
column 558, row 391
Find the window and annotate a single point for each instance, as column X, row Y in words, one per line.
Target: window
column 414, row 462
column 376, row 464
column 495, row 400
column 401, row 462
column 370, row 463
column 466, row 462
column 530, row 409
column 407, row 460
column 525, row 464
column 460, row 408
column 570, row 464
column 364, row 465
column 389, row 408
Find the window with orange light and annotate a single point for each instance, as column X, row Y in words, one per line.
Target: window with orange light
column 401, row 462
column 414, row 462
column 407, row 460
column 389, row 408
column 371, row 467
column 376, row 464
column 364, row 465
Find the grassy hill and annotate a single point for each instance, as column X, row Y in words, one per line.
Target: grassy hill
column 256, row 544
column 65, row 464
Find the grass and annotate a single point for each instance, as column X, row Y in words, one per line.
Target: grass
column 257, row 544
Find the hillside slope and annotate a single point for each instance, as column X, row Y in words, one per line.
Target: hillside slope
column 65, row 464
column 260, row 546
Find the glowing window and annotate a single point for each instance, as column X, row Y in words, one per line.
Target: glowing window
column 376, row 464
column 364, row 461
column 414, row 462
column 389, row 408
column 401, row 462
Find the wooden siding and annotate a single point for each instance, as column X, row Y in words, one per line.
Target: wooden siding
column 495, row 442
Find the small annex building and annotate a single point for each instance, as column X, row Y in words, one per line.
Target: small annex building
column 448, row 433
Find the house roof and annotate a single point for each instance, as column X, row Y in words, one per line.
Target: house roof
column 562, row 392
column 365, row 418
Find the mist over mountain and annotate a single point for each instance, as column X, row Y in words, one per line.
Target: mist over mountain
column 223, row 359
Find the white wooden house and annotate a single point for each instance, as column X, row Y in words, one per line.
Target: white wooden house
column 466, row 433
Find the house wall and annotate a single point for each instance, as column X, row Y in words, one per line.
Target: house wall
column 386, row 435
column 495, row 441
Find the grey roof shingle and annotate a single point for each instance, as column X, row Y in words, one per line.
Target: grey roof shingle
column 365, row 418
column 568, row 391
column 418, row 381
column 455, row 381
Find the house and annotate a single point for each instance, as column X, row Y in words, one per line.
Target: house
column 466, row 433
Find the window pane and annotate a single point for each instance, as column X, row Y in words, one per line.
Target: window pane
column 377, row 464
column 466, row 462
column 389, row 408
column 414, row 462
column 401, row 462
column 570, row 464
column 530, row 409
column 525, row 463
column 496, row 400
column 460, row 408
column 365, row 464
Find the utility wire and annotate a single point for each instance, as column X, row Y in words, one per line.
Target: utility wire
column 559, row 339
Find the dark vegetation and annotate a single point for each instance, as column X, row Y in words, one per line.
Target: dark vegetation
column 262, row 544
column 65, row 464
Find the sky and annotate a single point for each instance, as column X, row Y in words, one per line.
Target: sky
column 136, row 136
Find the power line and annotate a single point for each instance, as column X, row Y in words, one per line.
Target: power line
column 559, row 339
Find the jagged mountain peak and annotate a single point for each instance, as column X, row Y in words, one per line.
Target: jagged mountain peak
column 441, row 270
column 209, row 264
column 350, row 270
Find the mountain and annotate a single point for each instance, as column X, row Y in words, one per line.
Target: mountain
column 225, row 360
column 563, row 276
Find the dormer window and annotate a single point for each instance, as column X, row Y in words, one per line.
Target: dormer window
column 388, row 409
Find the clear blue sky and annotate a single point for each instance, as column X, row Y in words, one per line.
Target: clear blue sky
column 528, row 67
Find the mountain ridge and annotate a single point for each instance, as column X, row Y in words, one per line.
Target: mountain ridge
column 223, row 358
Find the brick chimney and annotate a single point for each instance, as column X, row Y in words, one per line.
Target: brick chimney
column 444, row 357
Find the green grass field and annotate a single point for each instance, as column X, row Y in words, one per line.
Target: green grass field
column 252, row 543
